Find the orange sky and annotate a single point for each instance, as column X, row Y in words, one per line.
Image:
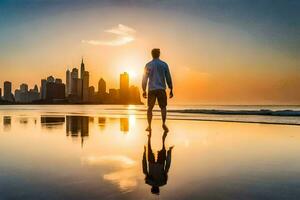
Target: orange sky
column 211, row 62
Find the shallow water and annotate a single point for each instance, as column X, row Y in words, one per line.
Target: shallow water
column 94, row 152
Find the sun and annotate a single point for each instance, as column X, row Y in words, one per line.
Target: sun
column 132, row 74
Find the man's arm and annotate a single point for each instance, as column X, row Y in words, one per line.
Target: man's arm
column 145, row 81
column 169, row 80
column 168, row 160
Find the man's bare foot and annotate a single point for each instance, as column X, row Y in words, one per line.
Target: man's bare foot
column 166, row 129
column 148, row 128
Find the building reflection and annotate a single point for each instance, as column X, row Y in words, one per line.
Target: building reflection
column 77, row 126
column 101, row 122
column 124, row 125
column 23, row 120
column 156, row 170
column 6, row 122
column 52, row 121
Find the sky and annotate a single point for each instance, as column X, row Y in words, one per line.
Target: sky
column 218, row 51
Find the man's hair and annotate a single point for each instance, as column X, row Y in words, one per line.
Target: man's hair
column 155, row 190
column 155, row 53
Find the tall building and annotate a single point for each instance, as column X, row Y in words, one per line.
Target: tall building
column 0, row 94
column 22, row 95
column 74, row 73
column 91, row 94
column 55, row 91
column 134, row 95
column 68, row 83
column 7, row 95
column 101, row 86
column 74, row 80
column 79, row 88
column 85, row 86
column 34, row 94
column 124, row 87
column 82, row 69
column 43, row 88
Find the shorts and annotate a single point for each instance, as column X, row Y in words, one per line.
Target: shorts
column 161, row 97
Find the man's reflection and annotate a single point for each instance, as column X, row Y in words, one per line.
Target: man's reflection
column 156, row 172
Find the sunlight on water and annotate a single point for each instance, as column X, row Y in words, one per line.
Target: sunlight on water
column 97, row 153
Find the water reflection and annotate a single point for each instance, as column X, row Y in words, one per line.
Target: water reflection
column 77, row 126
column 6, row 122
column 101, row 122
column 156, row 171
column 124, row 125
column 52, row 121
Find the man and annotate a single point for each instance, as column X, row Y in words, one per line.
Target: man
column 158, row 73
column 156, row 171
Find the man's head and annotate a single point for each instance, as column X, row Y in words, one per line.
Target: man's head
column 155, row 190
column 155, row 53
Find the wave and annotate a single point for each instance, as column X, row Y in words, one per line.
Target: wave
column 264, row 112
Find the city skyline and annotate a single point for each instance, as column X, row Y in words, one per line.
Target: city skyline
column 75, row 89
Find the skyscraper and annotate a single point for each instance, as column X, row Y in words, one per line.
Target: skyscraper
column 79, row 88
column 43, row 88
column 68, row 83
column 82, row 69
column 124, row 87
column 55, row 90
column 101, row 87
column 74, row 80
column 85, row 86
column 74, row 73
column 8, row 96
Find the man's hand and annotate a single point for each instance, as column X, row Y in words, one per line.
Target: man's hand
column 171, row 94
column 145, row 94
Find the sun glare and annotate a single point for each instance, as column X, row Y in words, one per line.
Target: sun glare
column 132, row 74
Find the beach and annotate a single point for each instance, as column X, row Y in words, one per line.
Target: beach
column 94, row 152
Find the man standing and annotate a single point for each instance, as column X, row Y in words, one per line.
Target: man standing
column 158, row 73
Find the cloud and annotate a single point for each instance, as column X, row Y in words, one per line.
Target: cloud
column 123, row 35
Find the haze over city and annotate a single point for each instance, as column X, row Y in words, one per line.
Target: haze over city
column 228, row 52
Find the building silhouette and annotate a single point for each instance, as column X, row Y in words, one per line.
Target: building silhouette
column 7, row 95
column 55, row 89
column 43, row 89
column 0, row 94
column 85, row 86
column 92, row 94
column 124, row 87
column 102, row 87
column 68, row 83
column 82, row 69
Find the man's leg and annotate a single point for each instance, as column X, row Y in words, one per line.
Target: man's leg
column 151, row 103
column 162, row 101
column 164, row 114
